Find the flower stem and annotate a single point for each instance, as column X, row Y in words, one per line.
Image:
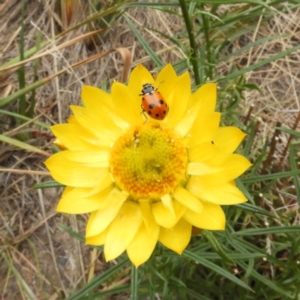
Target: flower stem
column 134, row 282
column 207, row 43
column 193, row 44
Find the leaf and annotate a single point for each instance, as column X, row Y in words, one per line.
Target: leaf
column 266, row 282
column 289, row 131
column 22, row 145
column 134, row 282
column 30, row 120
column 215, row 268
column 96, row 281
column 48, row 184
column 113, row 291
column 255, row 209
column 232, row 2
column 294, row 167
column 26, row 290
column 244, row 190
column 255, row 179
column 270, row 230
column 216, row 245
column 144, row 43
column 260, row 63
column 23, row 91
column 73, row 233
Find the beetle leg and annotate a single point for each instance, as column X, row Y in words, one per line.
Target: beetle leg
column 143, row 112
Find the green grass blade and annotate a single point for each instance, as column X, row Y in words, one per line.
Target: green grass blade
column 255, row 209
column 22, row 145
column 216, row 246
column 266, row 282
column 244, row 190
column 73, row 233
column 23, row 91
column 36, row 65
column 215, row 268
column 255, row 179
column 260, row 64
column 144, row 43
column 48, row 184
column 253, row 45
column 97, row 281
column 18, row 116
column 269, row 230
column 259, row 159
column 113, row 291
column 27, row 54
column 35, row 49
column 233, row 256
column 25, row 287
column 294, row 167
column 233, row 2
column 21, row 70
column 134, row 283
column 289, row 131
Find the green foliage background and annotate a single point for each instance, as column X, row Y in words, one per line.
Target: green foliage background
column 258, row 256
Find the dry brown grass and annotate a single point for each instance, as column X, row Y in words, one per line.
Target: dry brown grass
column 46, row 260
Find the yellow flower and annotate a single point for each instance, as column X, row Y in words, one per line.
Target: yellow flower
column 145, row 180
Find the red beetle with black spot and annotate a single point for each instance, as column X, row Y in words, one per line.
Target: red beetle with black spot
column 153, row 102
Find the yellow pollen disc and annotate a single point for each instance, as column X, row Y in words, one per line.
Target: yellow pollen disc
column 148, row 161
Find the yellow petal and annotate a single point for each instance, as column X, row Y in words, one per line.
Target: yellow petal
column 103, row 183
column 125, row 103
column 187, row 199
column 201, row 103
column 168, row 203
column 203, row 152
column 67, row 190
column 94, row 129
column 166, row 80
column 204, row 129
column 76, row 201
column 219, row 159
column 94, row 159
column 122, row 230
column 72, row 120
column 147, row 215
column 73, row 173
column 228, row 138
column 212, row 217
column 139, row 76
column 232, row 168
column 223, row 194
column 101, row 127
column 142, row 245
column 176, row 238
column 164, row 217
column 196, row 168
column 97, row 240
column 59, row 144
column 178, row 100
column 100, row 105
column 94, row 98
column 110, row 207
column 187, row 121
column 207, row 95
column 87, row 134
column 72, row 137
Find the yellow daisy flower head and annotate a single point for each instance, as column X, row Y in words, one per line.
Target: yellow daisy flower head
column 145, row 178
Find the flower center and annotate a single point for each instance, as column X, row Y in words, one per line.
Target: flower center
column 148, row 161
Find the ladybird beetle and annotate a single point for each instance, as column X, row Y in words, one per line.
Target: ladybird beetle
column 153, row 102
